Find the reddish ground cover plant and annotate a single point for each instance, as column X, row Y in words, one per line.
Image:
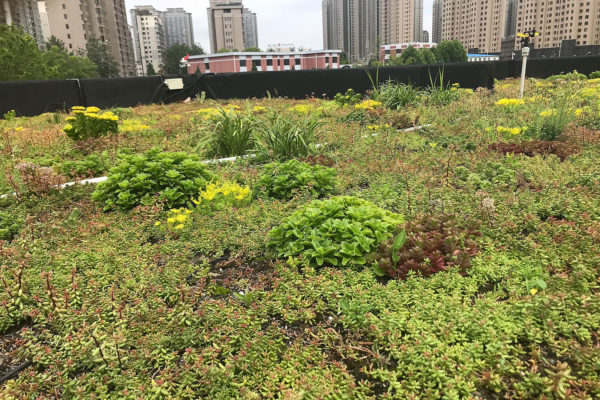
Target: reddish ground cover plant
column 538, row 147
column 433, row 244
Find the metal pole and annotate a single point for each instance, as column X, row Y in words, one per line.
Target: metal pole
column 524, row 70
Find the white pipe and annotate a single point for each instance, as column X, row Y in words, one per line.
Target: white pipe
column 217, row 161
column 524, row 70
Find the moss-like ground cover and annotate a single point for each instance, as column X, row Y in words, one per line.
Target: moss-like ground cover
column 192, row 303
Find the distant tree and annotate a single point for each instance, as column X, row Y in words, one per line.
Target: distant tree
column 53, row 41
column 255, row 49
column 427, row 56
column 224, row 50
column 451, row 51
column 343, row 58
column 175, row 53
column 411, row 56
column 20, row 57
column 61, row 65
column 150, row 69
column 98, row 52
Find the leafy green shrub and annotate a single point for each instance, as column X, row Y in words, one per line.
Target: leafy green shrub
column 90, row 166
column 337, row 232
column 10, row 115
column 350, row 98
column 595, row 75
column 175, row 177
column 396, row 96
column 429, row 244
column 87, row 123
column 282, row 137
column 232, row 134
column 282, row 180
column 10, row 225
column 571, row 76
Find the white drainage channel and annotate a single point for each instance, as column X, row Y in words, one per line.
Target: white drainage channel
column 217, row 161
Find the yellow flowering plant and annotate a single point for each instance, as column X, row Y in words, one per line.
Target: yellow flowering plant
column 368, row 105
column 177, row 219
column 134, row 125
column 218, row 196
column 510, row 103
column 85, row 123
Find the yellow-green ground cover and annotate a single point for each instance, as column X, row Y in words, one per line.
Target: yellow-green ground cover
column 500, row 203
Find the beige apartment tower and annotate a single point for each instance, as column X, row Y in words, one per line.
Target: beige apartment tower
column 226, row 25
column 76, row 22
column 559, row 20
column 400, row 21
column 477, row 24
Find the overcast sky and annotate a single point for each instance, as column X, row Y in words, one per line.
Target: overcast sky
column 279, row 21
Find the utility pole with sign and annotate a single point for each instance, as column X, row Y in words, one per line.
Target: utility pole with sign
column 525, row 39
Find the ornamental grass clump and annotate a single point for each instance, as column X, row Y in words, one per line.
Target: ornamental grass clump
column 233, row 134
column 88, row 123
column 283, row 138
column 138, row 179
column 550, row 123
column 282, row 181
column 337, row 232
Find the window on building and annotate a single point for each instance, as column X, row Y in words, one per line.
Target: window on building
column 243, row 63
column 286, row 61
column 269, row 62
column 67, row 26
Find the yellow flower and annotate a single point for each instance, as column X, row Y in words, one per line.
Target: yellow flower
column 70, row 119
column 510, row 102
column 368, row 105
column 171, row 220
column 259, row 109
column 578, row 112
column 68, row 127
column 78, row 108
column 547, row 113
column 92, row 109
column 302, row 108
column 533, row 291
column 179, row 227
column 188, row 212
column 181, row 218
column 157, row 223
column 19, row 128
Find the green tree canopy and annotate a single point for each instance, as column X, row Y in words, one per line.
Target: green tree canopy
column 173, row 55
column 450, row 51
column 53, row 41
column 150, row 69
column 61, row 65
column 256, row 49
column 20, row 57
column 98, row 53
column 427, row 56
column 410, row 56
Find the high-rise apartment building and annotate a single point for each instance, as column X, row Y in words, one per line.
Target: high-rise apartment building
column 178, row 27
column 559, row 20
column 352, row 26
column 231, row 26
column 425, row 37
column 76, row 22
column 250, row 28
column 400, row 21
column 510, row 27
column 477, row 24
column 25, row 14
column 436, row 25
column 148, row 38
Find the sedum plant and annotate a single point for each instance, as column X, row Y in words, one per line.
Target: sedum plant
column 87, row 123
column 174, row 177
column 10, row 225
column 337, row 232
column 428, row 245
column 282, row 180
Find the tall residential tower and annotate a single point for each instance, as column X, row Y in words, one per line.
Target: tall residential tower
column 231, row 26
